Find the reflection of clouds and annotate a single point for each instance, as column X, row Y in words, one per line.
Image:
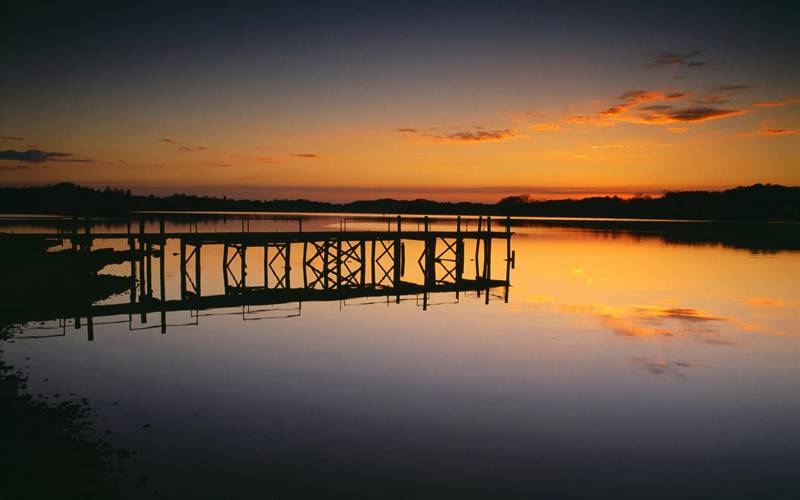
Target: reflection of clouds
column 764, row 302
column 681, row 313
column 657, row 321
column 655, row 366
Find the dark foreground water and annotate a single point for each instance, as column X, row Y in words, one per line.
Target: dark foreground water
column 624, row 365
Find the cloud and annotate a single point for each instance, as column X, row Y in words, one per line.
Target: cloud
column 632, row 109
column 478, row 134
column 679, row 313
column 37, row 156
column 191, row 149
column 778, row 131
column 311, row 156
column 764, row 302
column 467, row 136
column 219, row 164
column 661, row 366
column 713, row 99
column 634, row 98
column 14, row 168
column 541, row 127
column 168, row 140
column 776, row 104
column 524, row 116
column 732, row 88
column 679, row 59
column 678, row 130
column 689, row 115
column 765, row 130
column 11, row 138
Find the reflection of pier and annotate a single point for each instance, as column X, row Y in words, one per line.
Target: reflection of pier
column 336, row 266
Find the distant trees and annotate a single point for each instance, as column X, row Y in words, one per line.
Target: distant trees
column 756, row 202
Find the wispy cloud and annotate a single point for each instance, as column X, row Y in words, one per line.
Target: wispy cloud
column 13, row 168
column 765, row 302
column 478, row 134
column 35, row 156
column 181, row 146
column 655, row 366
column 679, row 59
column 310, row 156
column 543, row 127
column 776, row 104
column 191, row 149
column 691, row 114
column 633, row 108
column 13, row 138
column 767, row 130
column 732, row 88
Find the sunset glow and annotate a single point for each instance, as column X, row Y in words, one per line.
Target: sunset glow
column 365, row 102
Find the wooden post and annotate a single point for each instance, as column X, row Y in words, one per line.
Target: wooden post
column 305, row 264
column 430, row 263
column 398, row 223
column 183, row 269
column 225, row 266
column 288, row 265
column 396, row 264
column 338, row 262
column 162, row 287
column 266, row 266
column 372, row 262
column 149, row 269
column 243, row 258
column 363, row 262
column 89, row 326
column 132, row 246
column 325, row 272
column 197, row 273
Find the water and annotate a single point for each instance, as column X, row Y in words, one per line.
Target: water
column 623, row 365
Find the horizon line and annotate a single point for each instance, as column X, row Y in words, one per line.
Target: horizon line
column 235, row 193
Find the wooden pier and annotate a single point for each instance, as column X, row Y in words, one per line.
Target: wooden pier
column 336, row 265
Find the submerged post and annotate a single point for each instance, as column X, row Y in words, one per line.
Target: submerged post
column 183, row 268
column 197, row 269
column 162, row 287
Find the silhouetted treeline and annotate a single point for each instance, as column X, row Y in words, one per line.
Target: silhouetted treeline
column 756, row 202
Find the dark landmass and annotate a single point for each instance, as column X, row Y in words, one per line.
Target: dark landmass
column 753, row 236
column 39, row 284
column 757, row 202
column 49, row 449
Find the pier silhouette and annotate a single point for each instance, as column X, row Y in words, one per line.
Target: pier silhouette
column 336, row 266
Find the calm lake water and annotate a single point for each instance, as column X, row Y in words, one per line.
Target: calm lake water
column 623, row 365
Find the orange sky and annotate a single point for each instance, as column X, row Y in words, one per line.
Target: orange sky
column 505, row 110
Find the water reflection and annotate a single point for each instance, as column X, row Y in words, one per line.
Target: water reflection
column 621, row 367
column 334, row 266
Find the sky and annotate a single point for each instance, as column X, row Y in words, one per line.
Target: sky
column 338, row 101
